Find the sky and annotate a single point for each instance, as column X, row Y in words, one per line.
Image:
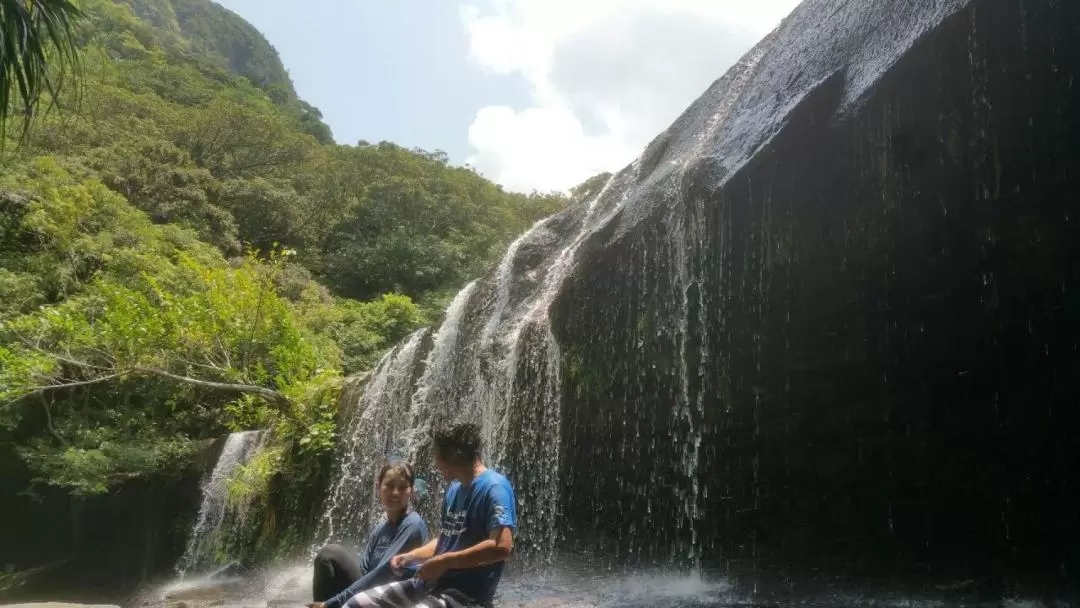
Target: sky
column 535, row 94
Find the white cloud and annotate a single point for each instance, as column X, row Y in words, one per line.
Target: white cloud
column 606, row 77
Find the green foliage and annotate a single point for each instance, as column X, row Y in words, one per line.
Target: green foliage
column 62, row 231
column 163, row 123
column 251, row 481
column 235, row 141
column 161, row 179
column 185, row 252
column 37, row 48
column 410, row 223
column 212, row 31
column 224, row 324
column 87, row 471
column 313, row 424
column 364, row 330
column 268, row 211
column 145, row 316
column 18, row 293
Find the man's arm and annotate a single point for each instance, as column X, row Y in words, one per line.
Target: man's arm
column 418, row 554
column 498, row 547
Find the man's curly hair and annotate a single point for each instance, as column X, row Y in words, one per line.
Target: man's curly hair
column 458, row 444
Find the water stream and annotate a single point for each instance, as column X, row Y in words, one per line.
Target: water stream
column 208, row 544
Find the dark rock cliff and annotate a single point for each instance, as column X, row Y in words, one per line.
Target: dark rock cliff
column 834, row 326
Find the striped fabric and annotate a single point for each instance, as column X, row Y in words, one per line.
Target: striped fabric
column 402, row 594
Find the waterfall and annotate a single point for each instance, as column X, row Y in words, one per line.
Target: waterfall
column 369, row 434
column 517, row 393
column 493, row 360
column 208, row 543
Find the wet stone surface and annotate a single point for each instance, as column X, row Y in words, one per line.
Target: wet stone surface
column 825, row 326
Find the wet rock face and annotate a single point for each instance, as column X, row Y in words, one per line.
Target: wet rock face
column 852, row 349
column 826, row 324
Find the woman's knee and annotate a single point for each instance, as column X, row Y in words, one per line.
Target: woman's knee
column 329, row 553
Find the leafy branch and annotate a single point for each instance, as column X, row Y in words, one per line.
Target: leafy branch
column 56, row 384
column 37, row 48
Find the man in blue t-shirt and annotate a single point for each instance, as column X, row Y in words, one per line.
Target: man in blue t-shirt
column 462, row 566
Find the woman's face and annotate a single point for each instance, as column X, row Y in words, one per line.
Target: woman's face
column 394, row 492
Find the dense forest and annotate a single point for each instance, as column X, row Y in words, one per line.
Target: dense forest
column 185, row 251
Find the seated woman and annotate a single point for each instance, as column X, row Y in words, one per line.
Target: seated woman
column 339, row 575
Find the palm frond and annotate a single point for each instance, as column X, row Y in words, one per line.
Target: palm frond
column 38, row 54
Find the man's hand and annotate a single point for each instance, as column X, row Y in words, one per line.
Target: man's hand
column 432, row 569
column 397, row 564
column 315, row 605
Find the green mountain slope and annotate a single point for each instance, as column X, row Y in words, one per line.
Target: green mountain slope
column 185, row 251
column 215, row 32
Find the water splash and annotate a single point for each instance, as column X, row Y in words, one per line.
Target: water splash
column 207, row 544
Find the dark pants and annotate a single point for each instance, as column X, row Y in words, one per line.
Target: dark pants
column 335, row 569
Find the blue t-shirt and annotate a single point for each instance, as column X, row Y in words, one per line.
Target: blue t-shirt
column 469, row 514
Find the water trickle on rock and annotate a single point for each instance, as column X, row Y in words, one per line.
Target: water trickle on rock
column 209, row 541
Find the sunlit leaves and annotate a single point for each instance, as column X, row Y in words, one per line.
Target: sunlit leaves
column 145, row 297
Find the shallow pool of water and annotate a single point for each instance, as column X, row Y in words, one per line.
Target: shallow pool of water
column 290, row 586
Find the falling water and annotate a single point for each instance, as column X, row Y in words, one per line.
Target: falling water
column 436, row 384
column 494, row 360
column 532, row 389
column 208, row 542
column 375, row 424
column 693, row 361
column 509, row 376
column 504, row 276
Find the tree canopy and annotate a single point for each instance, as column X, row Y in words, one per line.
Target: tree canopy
column 184, row 250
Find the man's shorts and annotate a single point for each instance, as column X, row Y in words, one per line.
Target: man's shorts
column 408, row 594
